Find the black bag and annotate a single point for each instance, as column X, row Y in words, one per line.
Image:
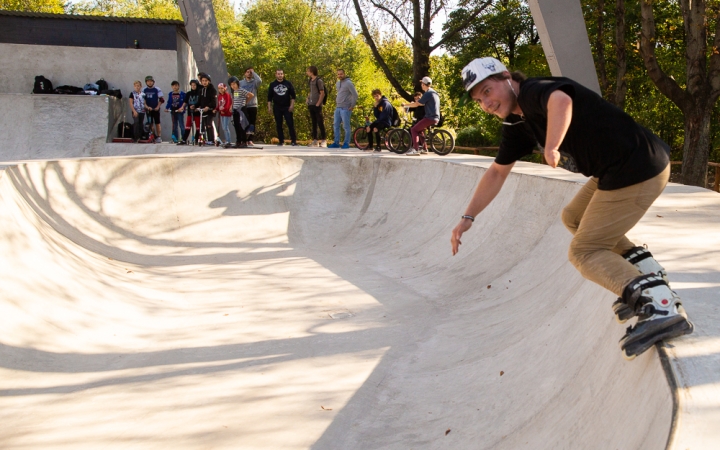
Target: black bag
column 328, row 90
column 42, row 85
column 395, row 120
column 111, row 92
column 102, row 85
column 69, row 90
column 441, row 121
column 125, row 130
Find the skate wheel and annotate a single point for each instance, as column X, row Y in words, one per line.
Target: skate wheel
column 628, row 357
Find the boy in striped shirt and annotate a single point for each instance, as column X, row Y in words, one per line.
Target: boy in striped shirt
column 239, row 98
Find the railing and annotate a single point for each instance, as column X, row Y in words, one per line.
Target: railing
column 716, row 185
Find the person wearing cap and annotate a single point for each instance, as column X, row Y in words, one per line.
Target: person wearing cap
column 628, row 168
column 430, row 102
column 153, row 99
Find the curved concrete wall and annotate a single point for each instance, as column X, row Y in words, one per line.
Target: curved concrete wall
column 56, row 126
column 304, row 302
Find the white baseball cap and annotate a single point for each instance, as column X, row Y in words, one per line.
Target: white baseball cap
column 426, row 80
column 479, row 69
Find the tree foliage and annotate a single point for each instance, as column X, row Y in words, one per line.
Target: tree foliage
column 42, row 6
column 155, row 9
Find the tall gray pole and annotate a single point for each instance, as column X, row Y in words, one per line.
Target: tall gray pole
column 204, row 38
column 561, row 26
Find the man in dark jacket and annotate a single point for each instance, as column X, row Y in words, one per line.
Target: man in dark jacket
column 281, row 104
column 383, row 112
column 207, row 103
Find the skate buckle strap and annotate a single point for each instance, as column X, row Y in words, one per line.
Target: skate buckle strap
column 632, row 293
column 649, row 310
column 648, row 281
column 637, row 254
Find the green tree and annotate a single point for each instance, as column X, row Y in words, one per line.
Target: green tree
column 414, row 19
column 294, row 34
column 42, row 6
column 155, row 9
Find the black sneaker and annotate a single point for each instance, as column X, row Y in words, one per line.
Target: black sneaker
column 378, row 149
column 294, row 144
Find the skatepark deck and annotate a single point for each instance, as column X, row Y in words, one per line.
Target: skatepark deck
column 291, row 298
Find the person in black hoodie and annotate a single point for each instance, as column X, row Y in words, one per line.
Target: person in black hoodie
column 383, row 112
column 208, row 102
column 281, row 103
column 192, row 102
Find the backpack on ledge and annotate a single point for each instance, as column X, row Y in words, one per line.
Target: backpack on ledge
column 69, row 90
column 42, row 85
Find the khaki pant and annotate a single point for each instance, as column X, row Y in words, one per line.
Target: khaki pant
column 599, row 221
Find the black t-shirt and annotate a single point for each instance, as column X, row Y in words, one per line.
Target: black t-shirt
column 281, row 93
column 604, row 141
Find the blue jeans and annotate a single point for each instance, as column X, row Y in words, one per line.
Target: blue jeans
column 178, row 124
column 342, row 115
column 225, row 125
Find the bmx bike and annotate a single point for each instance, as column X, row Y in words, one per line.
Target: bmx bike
column 440, row 141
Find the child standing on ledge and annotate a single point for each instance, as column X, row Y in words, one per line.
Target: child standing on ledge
column 137, row 106
column 177, row 111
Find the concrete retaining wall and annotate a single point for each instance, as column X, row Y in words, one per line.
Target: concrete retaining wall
column 56, row 126
column 77, row 66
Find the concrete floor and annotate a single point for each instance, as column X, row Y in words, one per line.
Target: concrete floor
column 297, row 298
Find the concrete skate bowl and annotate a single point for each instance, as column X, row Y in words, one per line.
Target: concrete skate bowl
column 304, row 302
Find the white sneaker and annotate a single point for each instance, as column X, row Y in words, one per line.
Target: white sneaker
column 158, row 141
column 412, row 152
column 313, row 144
column 323, row 144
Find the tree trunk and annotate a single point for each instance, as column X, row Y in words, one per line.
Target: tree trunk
column 421, row 64
column 600, row 49
column 696, row 149
column 701, row 92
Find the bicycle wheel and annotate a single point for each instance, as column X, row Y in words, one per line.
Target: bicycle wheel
column 442, row 142
column 360, row 138
column 398, row 140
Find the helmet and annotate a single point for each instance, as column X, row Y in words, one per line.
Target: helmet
column 149, row 78
column 232, row 80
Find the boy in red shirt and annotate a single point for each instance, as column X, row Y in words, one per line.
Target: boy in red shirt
column 224, row 107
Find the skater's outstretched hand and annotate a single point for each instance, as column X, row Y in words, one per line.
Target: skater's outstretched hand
column 457, row 233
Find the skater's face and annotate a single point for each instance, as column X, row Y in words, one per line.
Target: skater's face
column 204, row 81
column 150, row 83
column 138, row 86
column 249, row 73
column 377, row 97
column 221, row 89
column 279, row 75
column 234, row 86
column 193, row 86
column 341, row 74
column 494, row 97
column 176, row 88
